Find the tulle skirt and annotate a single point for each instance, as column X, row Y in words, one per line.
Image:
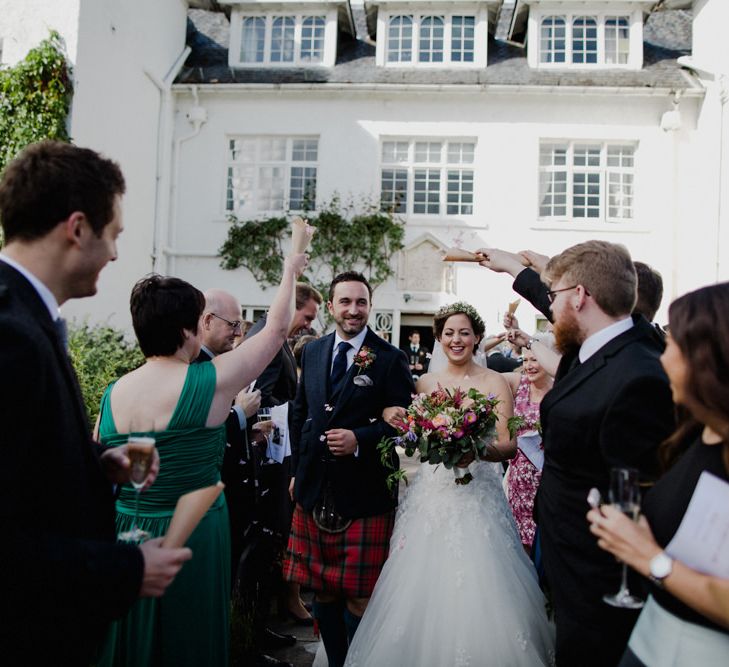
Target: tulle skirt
column 457, row 588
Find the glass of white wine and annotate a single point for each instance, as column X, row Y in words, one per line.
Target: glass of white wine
column 624, row 494
column 140, row 451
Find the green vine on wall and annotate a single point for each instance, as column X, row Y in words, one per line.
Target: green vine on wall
column 345, row 240
column 35, row 98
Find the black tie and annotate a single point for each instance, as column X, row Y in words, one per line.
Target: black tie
column 60, row 325
column 339, row 367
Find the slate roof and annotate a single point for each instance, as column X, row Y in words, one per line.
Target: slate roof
column 667, row 35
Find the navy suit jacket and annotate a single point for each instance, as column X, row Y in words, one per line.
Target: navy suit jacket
column 357, row 482
column 63, row 577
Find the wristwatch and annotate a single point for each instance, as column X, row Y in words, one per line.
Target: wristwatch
column 529, row 342
column 660, row 566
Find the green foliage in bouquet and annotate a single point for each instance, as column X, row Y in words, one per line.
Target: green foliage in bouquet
column 100, row 355
column 446, row 427
column 517, row 423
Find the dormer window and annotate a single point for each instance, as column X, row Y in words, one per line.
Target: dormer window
column 595, row 35
column 287, row 33
column 453, row 35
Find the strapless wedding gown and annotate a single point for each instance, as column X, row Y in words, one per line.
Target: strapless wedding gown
column 457, row 589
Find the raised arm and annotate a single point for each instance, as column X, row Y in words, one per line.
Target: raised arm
column 242, row 365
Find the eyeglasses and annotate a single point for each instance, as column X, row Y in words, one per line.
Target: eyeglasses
column 551, row 294
column 233, row 325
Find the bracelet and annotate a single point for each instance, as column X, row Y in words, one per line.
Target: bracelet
column 528, row 345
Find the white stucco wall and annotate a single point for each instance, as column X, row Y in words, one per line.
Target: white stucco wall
column 507, row 128
column 126, row 48
column 25, row 23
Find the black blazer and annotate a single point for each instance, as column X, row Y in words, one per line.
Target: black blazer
column 278, row 380
column 63, row 577
column 358, row 483
column 529, row 284
column 611, row 411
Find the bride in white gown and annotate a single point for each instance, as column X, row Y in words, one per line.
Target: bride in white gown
column 457, row 589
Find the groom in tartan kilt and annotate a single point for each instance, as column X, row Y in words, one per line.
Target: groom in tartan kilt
column 344, row 511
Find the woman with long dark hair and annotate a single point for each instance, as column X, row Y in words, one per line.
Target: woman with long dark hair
column 686, row 618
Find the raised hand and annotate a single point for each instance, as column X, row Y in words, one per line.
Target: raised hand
column 535, row 260
column 249, row 401
column 502, row 261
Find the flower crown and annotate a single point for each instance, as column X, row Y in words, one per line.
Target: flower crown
column 462, row 307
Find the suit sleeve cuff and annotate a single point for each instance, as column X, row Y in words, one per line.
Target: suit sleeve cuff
column 241, row 416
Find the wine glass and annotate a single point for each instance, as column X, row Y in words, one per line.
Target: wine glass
column 140, row 451
column 624, row 494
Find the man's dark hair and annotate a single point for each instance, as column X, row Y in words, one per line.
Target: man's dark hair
column 161, row 308
column 306, row 292
column 347, row 277
column 50, row 180
column 650, row 291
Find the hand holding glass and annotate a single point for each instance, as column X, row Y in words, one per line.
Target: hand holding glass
column 140, row 451
column 624, row 494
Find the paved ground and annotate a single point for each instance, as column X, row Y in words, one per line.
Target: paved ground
column 302, row 653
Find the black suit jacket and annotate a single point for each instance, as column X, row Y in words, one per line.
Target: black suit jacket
column 358, row 483
column 529, row 285
column 611, row 411
column 278, row 380
column 63, row 577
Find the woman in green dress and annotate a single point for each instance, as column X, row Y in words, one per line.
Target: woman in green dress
column 183, row 405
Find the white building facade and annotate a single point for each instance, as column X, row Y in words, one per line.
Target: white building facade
column 577, row 127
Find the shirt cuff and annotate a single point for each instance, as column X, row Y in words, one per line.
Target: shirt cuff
column 356, row 451
column 241, row 416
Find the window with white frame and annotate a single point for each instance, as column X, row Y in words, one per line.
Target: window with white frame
column 271, row 173
column 427, row 176
column 282, row 39
column 430, row 38
column 584, row 40
column 586, row 181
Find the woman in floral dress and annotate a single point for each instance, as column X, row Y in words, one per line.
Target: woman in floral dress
column 522, row 477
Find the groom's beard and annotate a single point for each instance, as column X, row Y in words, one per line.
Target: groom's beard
column 568, row 334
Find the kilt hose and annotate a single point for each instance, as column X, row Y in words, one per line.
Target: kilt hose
column 345, row 564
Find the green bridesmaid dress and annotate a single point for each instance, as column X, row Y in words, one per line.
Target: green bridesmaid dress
column 189, row 625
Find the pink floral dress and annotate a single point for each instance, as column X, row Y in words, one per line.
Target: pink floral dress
column 523, row 478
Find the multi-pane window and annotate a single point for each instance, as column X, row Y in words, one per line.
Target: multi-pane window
column 584, row 40
column 617, row 40
column 312, row 38
column 552, row 44
column 586, row 181
column 429, row 38
column 276, row 39
column 271, row 174
column 462, row 38
column 427, row 177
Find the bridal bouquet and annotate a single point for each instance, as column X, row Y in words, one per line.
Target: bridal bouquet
column 444, row 426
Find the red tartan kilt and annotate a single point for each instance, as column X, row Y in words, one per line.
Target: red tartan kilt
column 346, row 563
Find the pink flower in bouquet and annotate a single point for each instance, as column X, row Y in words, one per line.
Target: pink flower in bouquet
column 470, row 418
column 442, row 420
column 467, row 403
column 458, row 434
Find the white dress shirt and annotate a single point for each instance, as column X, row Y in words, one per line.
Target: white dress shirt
column 603, row 337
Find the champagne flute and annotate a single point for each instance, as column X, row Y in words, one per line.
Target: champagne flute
column 624, row 494
column 140, row 451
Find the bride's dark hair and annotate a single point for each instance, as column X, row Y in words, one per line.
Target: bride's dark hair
column 459, row 308
column 698, row 322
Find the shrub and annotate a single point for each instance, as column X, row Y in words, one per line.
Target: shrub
column 100, row 355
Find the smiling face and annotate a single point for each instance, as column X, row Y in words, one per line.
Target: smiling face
column 458, row 339
column 350, row 308
column 532, row 368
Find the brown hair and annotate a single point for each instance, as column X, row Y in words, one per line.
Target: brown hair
column 459, row 308
column 50, row 180
column 650, row 291
column 347, row 277
column 698, row 322
column 304, row 293
column 604, row 269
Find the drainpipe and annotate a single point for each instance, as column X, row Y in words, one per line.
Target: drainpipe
column 164, row 127
column 196, row 116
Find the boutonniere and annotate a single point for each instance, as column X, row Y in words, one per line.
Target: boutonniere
column 363, row 360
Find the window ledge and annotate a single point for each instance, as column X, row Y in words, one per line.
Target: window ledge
column 592, row 226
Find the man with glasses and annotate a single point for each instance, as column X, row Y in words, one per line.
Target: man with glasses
column 610, row 407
